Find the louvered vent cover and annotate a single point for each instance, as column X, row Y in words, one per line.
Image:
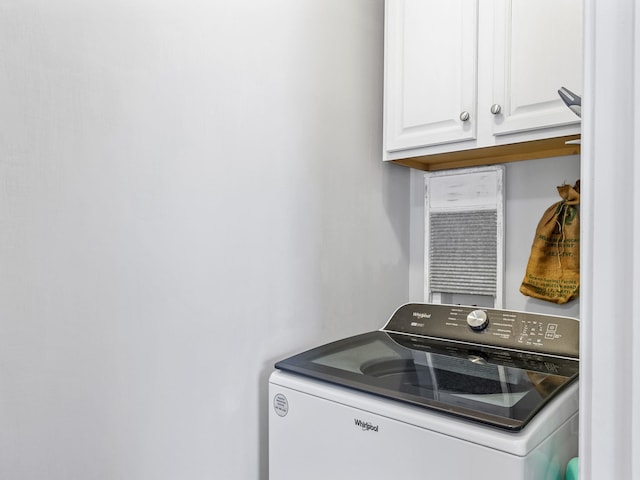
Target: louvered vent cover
column 463, row 252
column 464, row 235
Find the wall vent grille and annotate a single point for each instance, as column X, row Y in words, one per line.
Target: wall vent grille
column 464, row 236
column 464, row 252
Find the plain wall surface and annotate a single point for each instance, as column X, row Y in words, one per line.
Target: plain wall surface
column 189, row 191
column 530, row 188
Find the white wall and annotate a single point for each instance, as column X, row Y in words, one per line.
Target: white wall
column 610, row 357
column 530, row 188
column 189, row 190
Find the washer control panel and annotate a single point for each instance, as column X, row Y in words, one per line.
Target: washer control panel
column 527, row 331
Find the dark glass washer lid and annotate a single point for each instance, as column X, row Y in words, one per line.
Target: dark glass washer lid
column 498, row 387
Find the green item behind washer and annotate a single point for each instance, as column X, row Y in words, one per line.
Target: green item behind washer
column 572, row 469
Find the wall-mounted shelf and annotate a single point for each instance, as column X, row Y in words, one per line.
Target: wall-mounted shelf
column 514, row 152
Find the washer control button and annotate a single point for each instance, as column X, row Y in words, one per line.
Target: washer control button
column 478, row 320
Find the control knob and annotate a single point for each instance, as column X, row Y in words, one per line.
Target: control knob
column 478, row 320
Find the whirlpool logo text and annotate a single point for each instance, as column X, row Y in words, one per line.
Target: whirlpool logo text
column 365, row 426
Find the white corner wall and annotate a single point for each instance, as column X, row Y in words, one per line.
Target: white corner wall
column 189, row 191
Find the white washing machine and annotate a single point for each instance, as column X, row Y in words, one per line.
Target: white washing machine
column 441, row 392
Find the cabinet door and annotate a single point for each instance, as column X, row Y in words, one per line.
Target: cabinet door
column 538, row 49
column 430, row 72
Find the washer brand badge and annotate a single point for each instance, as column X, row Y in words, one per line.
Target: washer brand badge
column 366, row 426
column 420, row 315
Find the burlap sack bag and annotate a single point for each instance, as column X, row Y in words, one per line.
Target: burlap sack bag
column 553, row 270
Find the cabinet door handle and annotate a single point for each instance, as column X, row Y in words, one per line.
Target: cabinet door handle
column 496, row 109
column 465, row 116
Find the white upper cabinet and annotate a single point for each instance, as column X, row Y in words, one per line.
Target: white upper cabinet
column 537, row 50
column 430, row 72
column 468, row 74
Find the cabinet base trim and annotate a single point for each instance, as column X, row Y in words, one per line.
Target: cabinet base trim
column 514, row 152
